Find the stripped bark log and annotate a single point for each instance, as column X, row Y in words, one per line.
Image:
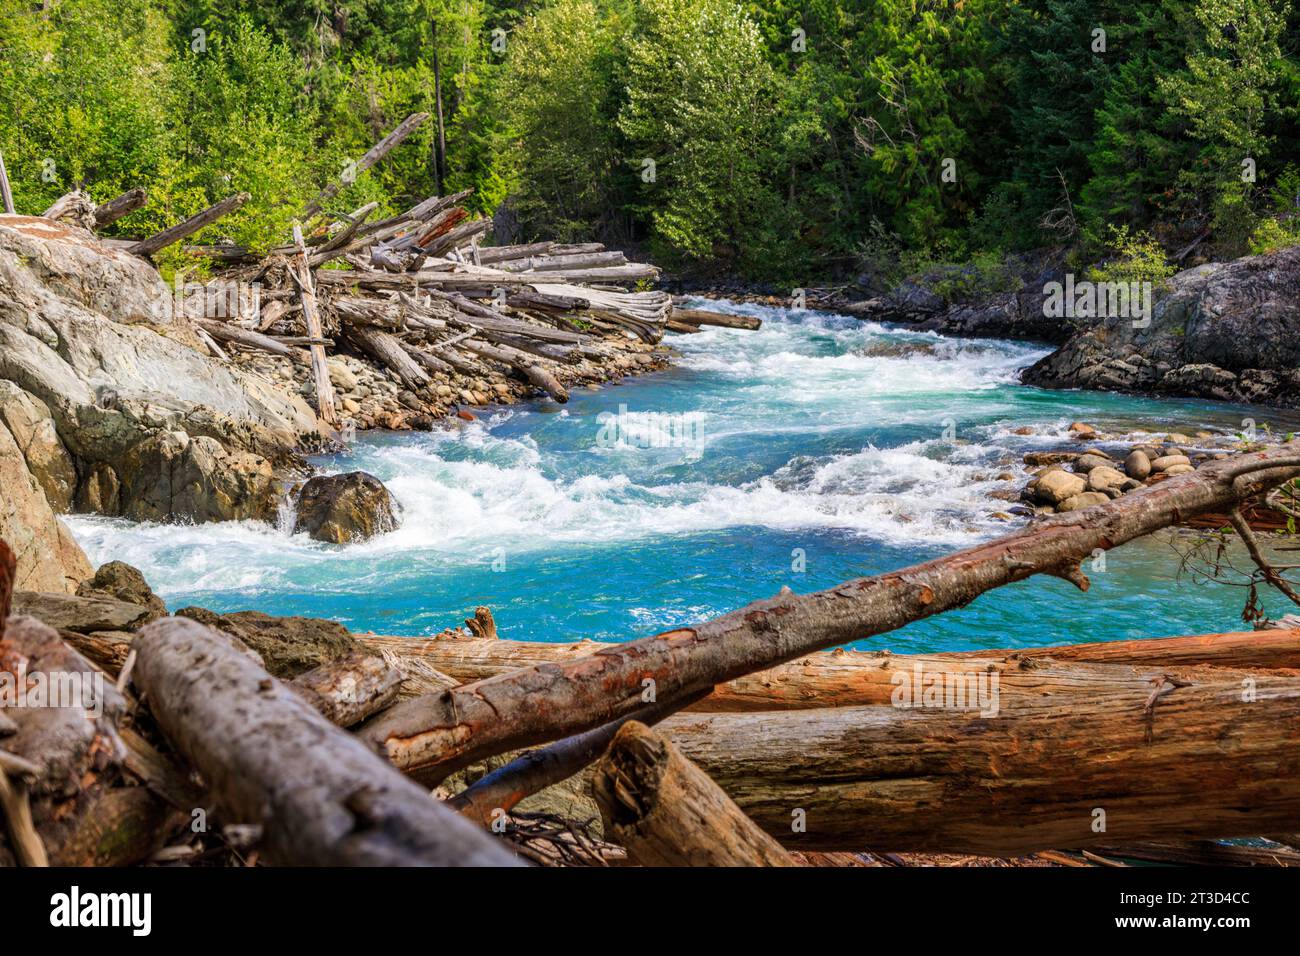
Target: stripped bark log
column 665, row 811
column 435, row 735
column 174, row 234
column 349, row 690
column 1201, row 758
column 247, row 338
column 388, row 352
column 325, row 406
column 539, row 376
column 702, row 317
column 271, row 760
column 373, row 155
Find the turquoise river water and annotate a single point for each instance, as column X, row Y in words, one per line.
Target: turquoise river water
column 817, row 449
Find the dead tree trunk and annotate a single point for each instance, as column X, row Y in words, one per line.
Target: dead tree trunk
column 321, row 797
column 174, row 234
column 665, row 811
column 123, row 205
column 325, row 407
column 373, row 155
column 1204, row 758
column 437, row 734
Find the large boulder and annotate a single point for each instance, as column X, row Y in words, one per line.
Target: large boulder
column 343, row 508
column 1228, row 331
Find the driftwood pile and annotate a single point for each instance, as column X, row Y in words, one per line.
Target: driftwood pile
column 767, row 749
column 442, row 318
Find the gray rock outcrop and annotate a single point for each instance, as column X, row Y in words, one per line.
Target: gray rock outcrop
column 1228, row 331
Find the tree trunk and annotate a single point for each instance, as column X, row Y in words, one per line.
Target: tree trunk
column 174, row 234
column 665, row 811
column 349, row 690
column 843, row 678
column 321, row 797
column 325, row 407
column 437, row 734
column 1183, row 759
column 377, row 152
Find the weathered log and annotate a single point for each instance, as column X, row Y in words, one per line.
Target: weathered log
column 388, row 352
column 842, row 678
column 1200, row 758
column 430, row 362
column 349, row 690
column 79, row 806
column 123, row 205
column 174, row 234
column 74, row 207
column 247, row 338
column 437, row 734
column 505, row 253
column 326, row 408
column 665, row 811
column 373, row 155
column 539, row 376
column 320, row 796
column 556, row 263
column 703, row 317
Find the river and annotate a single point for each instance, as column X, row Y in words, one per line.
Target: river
column 817, row 449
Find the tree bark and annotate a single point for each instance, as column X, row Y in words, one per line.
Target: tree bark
column 437, row 734
column 702, row 317
column 321, row 797
column 349, row 690
column 665, row 811
column 1191, row 759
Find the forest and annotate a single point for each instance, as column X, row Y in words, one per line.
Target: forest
column 781, row 141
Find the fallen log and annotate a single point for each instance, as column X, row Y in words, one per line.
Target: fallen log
column 373, row 155
column 842, row 678
column 388, row 352
column 704, row 317
column 520, row 363
column 271, row 760
column 665, row 811
column 123, row 205
column 173, row 234
column 434, row 735
column 349, row 690
column 247, row 338
column 73, row 800
column 326, row 408
column 1192, row 759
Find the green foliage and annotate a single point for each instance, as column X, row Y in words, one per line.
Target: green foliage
column 1136, row 257
column 1274, row 234
column 792, row 140
column 697, row 117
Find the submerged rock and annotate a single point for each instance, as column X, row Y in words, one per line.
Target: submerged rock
column 343, row 508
